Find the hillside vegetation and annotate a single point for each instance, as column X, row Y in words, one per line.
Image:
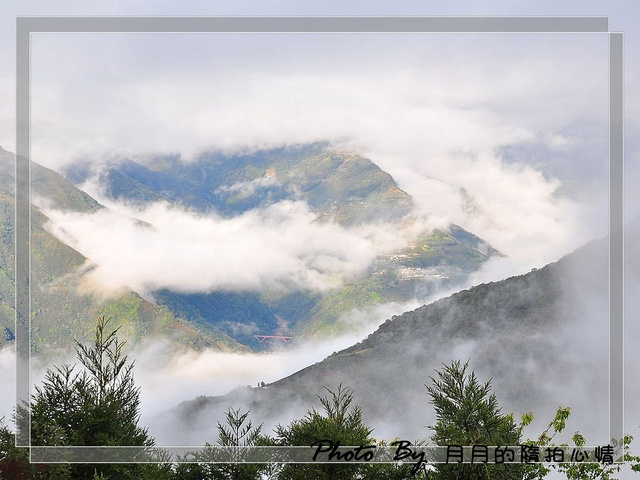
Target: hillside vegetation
column 526, row 332
column 59, row 311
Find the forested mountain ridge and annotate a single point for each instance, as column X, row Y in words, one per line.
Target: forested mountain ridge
column 338, row 186
column 60, row 313
column 526, row 332
column 341, row 186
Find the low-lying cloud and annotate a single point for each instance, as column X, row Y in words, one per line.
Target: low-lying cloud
column 436, row 113
column 278, row 247
column 165, row 381
column 8, row 382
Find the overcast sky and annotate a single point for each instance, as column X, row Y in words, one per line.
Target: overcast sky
column 500, row 116
column 464, row 93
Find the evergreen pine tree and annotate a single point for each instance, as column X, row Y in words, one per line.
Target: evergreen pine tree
column 468, row 413
column 96, row 406
column 211, row 463
column 341, row 422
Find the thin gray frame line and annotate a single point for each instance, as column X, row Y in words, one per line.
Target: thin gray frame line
column 26, row 25
column 22, row 238
column 616, row 235
column 300, row 454
column 595, row 24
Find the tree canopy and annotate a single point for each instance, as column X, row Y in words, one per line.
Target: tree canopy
column 341, row 421
column 468, row 413
column 94, row 404
column 97, row 403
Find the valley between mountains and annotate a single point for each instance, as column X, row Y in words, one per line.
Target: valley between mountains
column 337, row 191
column 276, row 249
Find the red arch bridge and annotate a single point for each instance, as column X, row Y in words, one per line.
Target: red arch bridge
column 262, row 338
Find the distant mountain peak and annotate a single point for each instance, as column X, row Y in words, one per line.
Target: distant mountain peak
column 337, row 184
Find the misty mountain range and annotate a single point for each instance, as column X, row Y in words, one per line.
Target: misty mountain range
column 340, row 187
column 60, row 312
column 540, row 337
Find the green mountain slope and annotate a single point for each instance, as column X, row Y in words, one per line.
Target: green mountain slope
column 239, row 315
column 60, row 312
column 338, row 186
column 434, row 261
column 540, row 336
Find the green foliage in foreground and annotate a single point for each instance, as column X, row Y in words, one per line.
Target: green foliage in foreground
column 468, row 413
column 99, row 404
column 579, row 471
column 238, row 431
column 340, row 422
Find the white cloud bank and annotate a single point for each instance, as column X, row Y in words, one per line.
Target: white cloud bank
column 421, row 107
column 8, row 382
column 281, row 246
column 166, row 381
